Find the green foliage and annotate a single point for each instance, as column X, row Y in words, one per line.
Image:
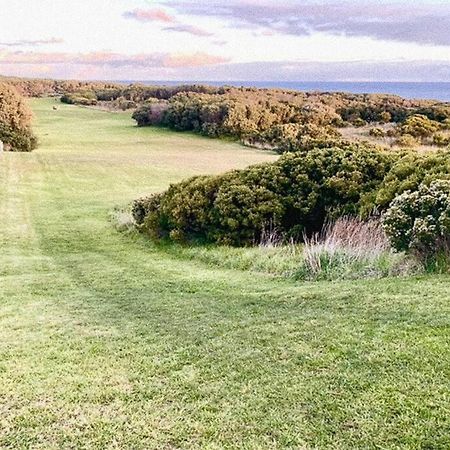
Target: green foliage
column 86, row 98
column 295, row 136
column 377, row 132
column 295, row 194
column 406, row 141
column 150, row 114
column 409, row 171
column 277, row 118
column 359, row 122
column 419, row 221
column 15, row 121
column 385, row 117
column 419, row 126
column 441, row 140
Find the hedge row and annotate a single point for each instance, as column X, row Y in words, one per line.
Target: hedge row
column 295, row 194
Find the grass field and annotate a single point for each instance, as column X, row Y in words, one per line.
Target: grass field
column 110, row 342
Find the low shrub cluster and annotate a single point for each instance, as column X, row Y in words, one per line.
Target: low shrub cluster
column 15, row 121
column 296, row 194
column 84, row 98
column 122, row 97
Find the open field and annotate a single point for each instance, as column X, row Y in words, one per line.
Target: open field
column 109, row 341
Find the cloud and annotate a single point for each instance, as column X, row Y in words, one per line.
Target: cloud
column 196, row 60
column 107, row 59
column 32, row 43
column 220, row 43
column 149, row 15
column 159, row 15
column 395, row 21
column 190, row 29
column 200, row 67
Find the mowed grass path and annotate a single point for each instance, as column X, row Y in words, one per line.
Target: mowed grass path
column 107, row 341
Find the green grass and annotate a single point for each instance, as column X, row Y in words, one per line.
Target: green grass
column 109, row 341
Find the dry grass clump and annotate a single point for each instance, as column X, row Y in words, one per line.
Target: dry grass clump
column 352, row 248
column 122, row 219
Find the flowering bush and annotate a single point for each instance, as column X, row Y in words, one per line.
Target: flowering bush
column 419, row 221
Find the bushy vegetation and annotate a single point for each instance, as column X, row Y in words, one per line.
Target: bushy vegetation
column 409, row 171
column 419, row 222
column 84, row 98
column 296, row 194
column 269, row 118
column 130, row 97
column 15, row 121
column 277, row 118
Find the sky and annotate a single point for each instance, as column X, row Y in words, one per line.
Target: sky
column 226, row 40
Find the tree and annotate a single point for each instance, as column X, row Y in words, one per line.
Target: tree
column 15, row 121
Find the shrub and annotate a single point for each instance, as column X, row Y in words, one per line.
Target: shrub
column 419, row 221
column 86, row 98
column 441, row 140
column 296, row 194
column 419, row 126
column 352, row 248
column 15, row 121
column 295, row 136
column 385, row 117
column 150, row 114
column 358, row 122
column 409, row 171
column 377, row 132
column 406, row 141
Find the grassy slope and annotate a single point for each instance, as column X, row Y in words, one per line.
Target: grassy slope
column 109, row 342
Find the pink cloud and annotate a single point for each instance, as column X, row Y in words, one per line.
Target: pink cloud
column 159, row 15
column 98, row 59
column 149, row 15
column 196, row 60
column 195, row 31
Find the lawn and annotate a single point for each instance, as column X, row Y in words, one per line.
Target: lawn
column 108, row 341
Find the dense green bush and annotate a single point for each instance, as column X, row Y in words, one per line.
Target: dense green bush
column 15, row 121
column 151, row 113
column 85, row 98
column 406, row 141
column 377, row 132
column 409, row 171
column 441, row 140
column 419, row 220
column 294, row 194
column 419, row 126
column 294, row 136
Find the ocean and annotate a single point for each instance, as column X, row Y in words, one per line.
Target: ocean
column 416, row 90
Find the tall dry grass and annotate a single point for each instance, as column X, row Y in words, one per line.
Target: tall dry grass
column 352, row 248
